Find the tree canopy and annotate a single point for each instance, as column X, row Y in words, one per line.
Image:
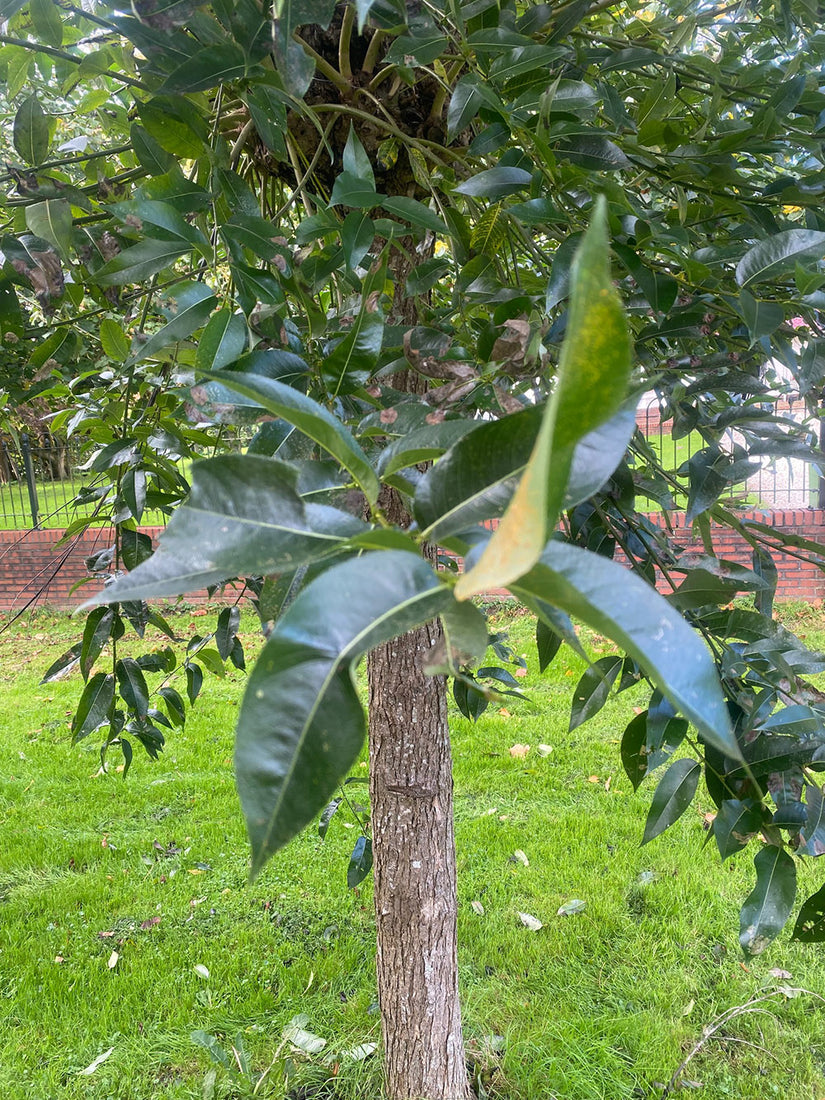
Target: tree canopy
column 434, row 253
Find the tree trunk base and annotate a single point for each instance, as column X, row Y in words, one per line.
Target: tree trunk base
column 411, row 787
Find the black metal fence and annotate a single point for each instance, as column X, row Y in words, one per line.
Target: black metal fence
column 779, row 483
column 37, row 482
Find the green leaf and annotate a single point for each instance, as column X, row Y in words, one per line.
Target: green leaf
column 163, row 216
column 243, row 517
column 46, row 22
column 634, row 750
column 52, row 220
column 357, row 235
column 228, row 623
column 94, row 707
column 194, row 682
column 206, row 69
column 812, row 833
column 593, row 689
column 465, row 103
column 355, row 159
column 152, row 156
column 353, row 359
column 593, row 373
column 613, row 601
column 189, row 305
column 310, row 418
column 465, row 632
column 595, row 153
column 326, row 817
column 175, row 706
column 132, row 685
column 64, row 664
column 222, row 341
column 768, row 906
column 350, row 190
column 414, row 212
column 476, row 478
column 287, row 770
column 360, row 863
column 762, row 318
column 494, row 183
column 30, row 132
column 779, row 254
column 135, row 548
column 810, row 924
column 113, row 340
column 140, row 262
column 422, row 445
column 734, row 825
column 548, row 643
column 96, row 634
column 673, row 796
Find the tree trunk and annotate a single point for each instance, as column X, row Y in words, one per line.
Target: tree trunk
column 414, row 865
column 411, row 788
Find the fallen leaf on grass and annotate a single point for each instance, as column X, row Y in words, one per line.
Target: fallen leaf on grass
column 520, row 857
column 544, row 750
column 150, row 923
column 296, row 1033
column 519, row 751
column 359, row 1053
column 112, row 963
column 570, row 908
column 593, row 779
column 477, row 907
column 201, row 970
column 520, row 672
column 58, row 958
column 529, row 921
column 504, row 712
column 778, row 972
column 101, row 1058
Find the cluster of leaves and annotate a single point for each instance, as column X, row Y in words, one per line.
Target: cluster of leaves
column 120, row 703
column 272, row 219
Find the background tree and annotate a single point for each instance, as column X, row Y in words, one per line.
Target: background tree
column 354, row 226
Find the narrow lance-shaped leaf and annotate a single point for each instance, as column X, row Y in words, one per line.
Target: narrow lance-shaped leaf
column 243, row 517
column 93, row 709
column 592, row 381
column 132, row 686
column 593, row 689
column 810, row 924
column 360, row 862
column 301, row 724
column 310, row 418
column 609, row 598
column 673, row 796
column 768, row 906
column 735, row 823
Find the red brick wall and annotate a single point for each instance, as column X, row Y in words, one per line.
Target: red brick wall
column 798, row 580
column 33, row 570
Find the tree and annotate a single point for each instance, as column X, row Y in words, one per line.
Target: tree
column 382, row 234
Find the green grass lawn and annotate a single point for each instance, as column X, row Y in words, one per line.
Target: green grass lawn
column 598, row 1006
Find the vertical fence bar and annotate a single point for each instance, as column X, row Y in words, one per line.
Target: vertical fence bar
column 29, row 471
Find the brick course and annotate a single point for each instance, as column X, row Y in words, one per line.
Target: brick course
column 34, row 570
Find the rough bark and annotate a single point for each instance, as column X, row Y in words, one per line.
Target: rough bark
column 411, row 795
column 411, row 789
